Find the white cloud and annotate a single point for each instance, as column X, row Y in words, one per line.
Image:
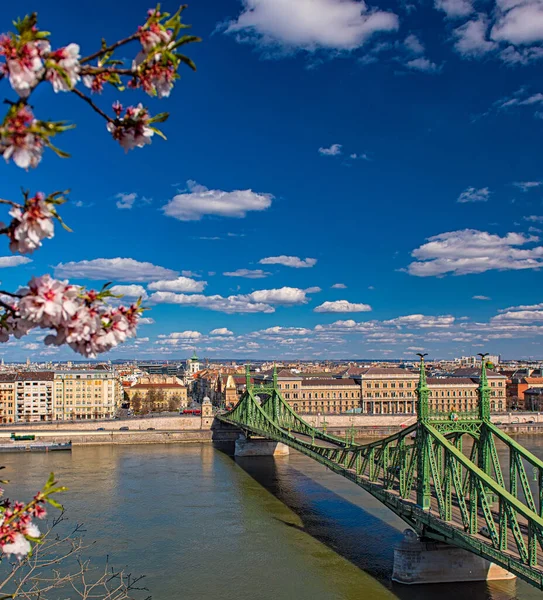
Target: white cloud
column 520, row 22
column 13, row 261
column 182, row 335
column 247, row 273
column 221, row 331
column 334, row 150
column 519, row 315
column 534, row 219
column 289, row 261
column 339, row 286
column 480, row 298
column 285, row 331
column 342, row 306
column 471, row 38
column 31, row 346
column 199, row 201
column 126, row 200
column 146, row 321
column 423, row 64
column 284, row 295
column 527, row 185
column 181, row 284
column 474, row 195
column 116, row 269
column 231, row 304
column 313, row 290
column 130, row 291
column 309, row 25
column 472, row 251
column 413, row 44
column 421, row 321
column 455, row 8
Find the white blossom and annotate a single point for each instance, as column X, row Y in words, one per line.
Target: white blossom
column 32, row 530
column 26, row 70
column 31, row 225
column 20, row 547
column 68, row 60
column 49, row 302
column 26, row 151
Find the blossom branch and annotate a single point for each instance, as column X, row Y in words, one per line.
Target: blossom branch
column 111, row 48
column 92, row 105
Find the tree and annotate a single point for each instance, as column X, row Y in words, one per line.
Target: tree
column 174, row 403
column 160, row 401
column 135, row 403
column 73, row 315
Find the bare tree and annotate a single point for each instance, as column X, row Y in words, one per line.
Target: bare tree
column 57, row 567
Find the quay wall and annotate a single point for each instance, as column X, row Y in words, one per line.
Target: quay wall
column 177, row 429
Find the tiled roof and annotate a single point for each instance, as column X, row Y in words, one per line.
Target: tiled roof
column 437, row 381
column 35, row 376
column 386, row 371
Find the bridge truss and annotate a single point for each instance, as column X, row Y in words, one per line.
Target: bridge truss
column 442, row 475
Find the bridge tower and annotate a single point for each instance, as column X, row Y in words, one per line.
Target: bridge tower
column 422, row 441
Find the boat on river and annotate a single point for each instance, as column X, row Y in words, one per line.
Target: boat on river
column 36, row 447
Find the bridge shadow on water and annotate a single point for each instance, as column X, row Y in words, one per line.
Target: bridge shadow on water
column 351, row 531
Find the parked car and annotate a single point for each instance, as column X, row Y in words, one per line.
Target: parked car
column 531, row 421
column 124, row 428
column 150, row 429
column 100, row 429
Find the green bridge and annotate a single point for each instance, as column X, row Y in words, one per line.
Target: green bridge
column 441, row 475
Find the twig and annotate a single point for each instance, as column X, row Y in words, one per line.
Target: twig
column 113, row 70
column 11, row 203
column 102, row 51
column 11, row 294
column 91, row 103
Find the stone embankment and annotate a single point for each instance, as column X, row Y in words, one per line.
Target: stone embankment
column 178, row 429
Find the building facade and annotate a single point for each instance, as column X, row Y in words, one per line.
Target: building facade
column 34, row 396
column 161, row 391
column 86, row 394
column 7, row 398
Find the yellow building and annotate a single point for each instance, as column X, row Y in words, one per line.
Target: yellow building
column 161, row 392
column 7, row 398
column 86, row 394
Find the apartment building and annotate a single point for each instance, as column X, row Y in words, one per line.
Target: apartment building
column 86, row 394
column 34, row 396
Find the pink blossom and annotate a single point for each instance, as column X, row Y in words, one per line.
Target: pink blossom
column 18, row 142
column 68, row 60
column 49, row 302
column 95, row 82
column 155, row 77
column 132, row 130
column 30, row 225
column 152, row 37
column 24, row 64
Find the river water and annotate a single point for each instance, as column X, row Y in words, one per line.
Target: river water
column 201, row 525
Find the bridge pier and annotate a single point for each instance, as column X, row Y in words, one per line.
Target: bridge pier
column 417, row 562
column 259, row 447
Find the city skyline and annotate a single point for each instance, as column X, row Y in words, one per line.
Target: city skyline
column 325, row 191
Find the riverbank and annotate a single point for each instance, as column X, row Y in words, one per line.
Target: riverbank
column 182, row 429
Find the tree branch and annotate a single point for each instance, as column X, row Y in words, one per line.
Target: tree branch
column 92, row 105
column 113, row 70
column 103, row 51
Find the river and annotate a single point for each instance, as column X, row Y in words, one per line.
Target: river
column 203, row 526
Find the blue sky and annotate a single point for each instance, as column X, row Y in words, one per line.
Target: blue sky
column 392, row 148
